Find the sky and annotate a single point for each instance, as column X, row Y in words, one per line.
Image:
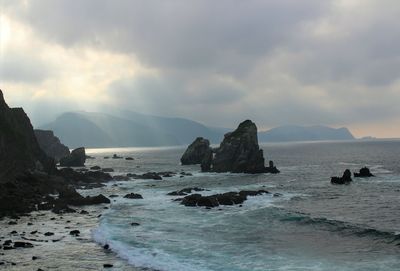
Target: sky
column 305, row 62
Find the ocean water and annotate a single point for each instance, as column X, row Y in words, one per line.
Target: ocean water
column 312, row 225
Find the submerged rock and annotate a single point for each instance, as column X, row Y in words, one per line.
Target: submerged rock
column 185, row 191
column 364, row 173
column 196, row 152
column 345, row 179
column 229, row 198
column 133, row 196
column 77, row 158
column 146, row 176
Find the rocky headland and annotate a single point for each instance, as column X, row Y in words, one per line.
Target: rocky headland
column 51, row 144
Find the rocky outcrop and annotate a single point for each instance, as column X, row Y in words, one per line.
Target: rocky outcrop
column 77, row 158
column 27, row 175
column 364, row 173
column 345, row 179
column 229, row 198
column 196, row 152
column 239, row 152
column 51, row 144
column 19, row 149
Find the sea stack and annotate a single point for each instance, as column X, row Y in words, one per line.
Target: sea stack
column 239, row 152
column 196, row 152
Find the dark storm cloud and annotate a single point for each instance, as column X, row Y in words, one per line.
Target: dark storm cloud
column 174, row 34
column 280, row 62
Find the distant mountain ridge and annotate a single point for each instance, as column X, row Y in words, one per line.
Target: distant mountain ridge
column 127, row 129
column 304, row 133
column 124, row 128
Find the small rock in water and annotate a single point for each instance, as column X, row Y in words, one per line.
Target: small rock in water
column 135, row 224
column 364, row 173
column 75, row 233
column 107, row 265
column 19, row 244
column 106, row 246
column 83, row 212
column 345, row 179
column 129, row 158
column 133, row 196
column 12, row 223
column 49, row 233
column 34, row 258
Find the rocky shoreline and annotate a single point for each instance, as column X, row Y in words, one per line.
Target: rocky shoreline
column 56, row 242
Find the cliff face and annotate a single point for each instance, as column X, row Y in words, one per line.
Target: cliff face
column 19, row 149
column 51, row 144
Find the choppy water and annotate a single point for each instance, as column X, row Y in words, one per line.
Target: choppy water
column 313, row 226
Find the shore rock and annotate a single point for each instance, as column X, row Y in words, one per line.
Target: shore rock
column 345, row 179
column 51, row 144
column 77, row 158
column 196, row 152
column 239, row 152
column 364, row 173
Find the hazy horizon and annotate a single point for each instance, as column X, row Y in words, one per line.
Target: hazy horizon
column 309, row 62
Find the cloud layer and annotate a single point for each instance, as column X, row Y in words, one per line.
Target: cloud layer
column 278, row 62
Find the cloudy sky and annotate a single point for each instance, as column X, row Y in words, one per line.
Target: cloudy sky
column 280, row 62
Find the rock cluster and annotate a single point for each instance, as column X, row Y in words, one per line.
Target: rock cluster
column 77, row 158
column 51, row 145
column 239, row 152
column 229, row 198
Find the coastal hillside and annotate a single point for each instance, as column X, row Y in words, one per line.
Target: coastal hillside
column 127, row 129
column 304, row 133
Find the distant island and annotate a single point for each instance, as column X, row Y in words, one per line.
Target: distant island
column 123, row 128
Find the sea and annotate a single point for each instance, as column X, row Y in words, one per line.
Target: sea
column 304, row 223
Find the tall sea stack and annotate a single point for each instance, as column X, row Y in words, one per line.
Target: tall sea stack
column 239, row 152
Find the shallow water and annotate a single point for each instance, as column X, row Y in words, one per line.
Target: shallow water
column 313, row 226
